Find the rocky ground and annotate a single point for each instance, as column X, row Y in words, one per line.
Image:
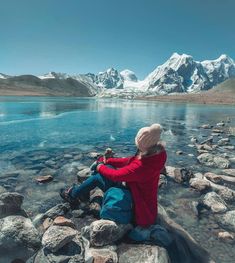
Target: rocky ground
column 64, row 234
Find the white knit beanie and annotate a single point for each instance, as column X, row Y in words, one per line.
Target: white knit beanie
column 148, row 137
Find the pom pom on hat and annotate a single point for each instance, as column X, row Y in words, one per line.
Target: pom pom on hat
column 148, row 137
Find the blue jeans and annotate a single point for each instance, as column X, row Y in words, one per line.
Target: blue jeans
column 97, row 180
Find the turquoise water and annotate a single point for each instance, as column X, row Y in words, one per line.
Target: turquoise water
column 41, row 136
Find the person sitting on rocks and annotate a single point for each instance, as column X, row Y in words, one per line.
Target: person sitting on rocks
column 141, row 174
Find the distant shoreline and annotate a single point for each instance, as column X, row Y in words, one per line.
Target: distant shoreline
column 206, row 98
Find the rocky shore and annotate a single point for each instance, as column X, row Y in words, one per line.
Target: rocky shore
column 60, row 233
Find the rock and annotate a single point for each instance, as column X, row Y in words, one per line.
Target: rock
column 200, row 185
column 221, row 124
column 206, row 126
column 19, row 236
column 10, row 204
column 2, row 190
column 93, row 155
column 232, row 160
column 217, row 131
column 223, row 141
column 63, row 221
column 83, row 174
column 104, row 255
column 193, row 140
column 78, row 213
column 226, row 237
column 142, row 254
column 213, row 177
column 58, row 210
column 57, row 236
column 47, row 223
column 72, row 252
column 179, row 152
column 162, row 181
column 230, row 172
column 209, row 140
column 213, row 160
column 228, row 220
column 227, row 194
column 198, row 175
column 44, row 179
column 106, row 232
column 180, row 175
column 94, row 209
column 68, row 156
column 228, row 147
column 215, row 203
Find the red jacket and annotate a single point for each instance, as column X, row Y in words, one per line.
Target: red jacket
column 142, row 177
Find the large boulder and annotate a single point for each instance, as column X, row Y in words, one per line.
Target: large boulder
column 106, row 232
column 142, row 253
column 215, row 203
column 72, row 252
column 56, row 237
column 10, row 204
column 211, row 160
column 18, row 238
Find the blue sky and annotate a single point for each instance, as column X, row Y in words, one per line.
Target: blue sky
column 80, row 36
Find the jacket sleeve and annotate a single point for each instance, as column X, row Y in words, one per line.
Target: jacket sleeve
column 133, row 172
column 118, row 162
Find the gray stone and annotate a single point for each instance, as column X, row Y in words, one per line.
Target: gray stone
column 227, row 194
column 213, row 177
column 215, row 203
column 104, row 255
column 223, row 141
column 226, row 237
column 230, row 172
column 56, row 237
column 2, row 190
column 10, row 204
column 142, row 254
column 71, row 252
column 213, row 160
column 200, row 185
column 58, row 210
column 106, row 232
column 83, row 174
column 228, row 220
column 19, row 236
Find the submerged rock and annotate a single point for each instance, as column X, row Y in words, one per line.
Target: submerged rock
column 213, row 177
column 215, row 203
column 230, row 172
column 228, row 220
column 58, row 210
column 10, row 204
column 227, row 194
column 213, row 160
column 142, row 254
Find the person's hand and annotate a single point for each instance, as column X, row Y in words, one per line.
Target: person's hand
column 94, row 166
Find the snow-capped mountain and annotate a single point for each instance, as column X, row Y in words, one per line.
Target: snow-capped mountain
column 179, row 74
column 108, row 79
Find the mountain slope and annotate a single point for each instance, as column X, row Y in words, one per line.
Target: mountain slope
column 32, row 85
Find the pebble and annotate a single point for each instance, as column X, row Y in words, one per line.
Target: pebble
column 44, row 179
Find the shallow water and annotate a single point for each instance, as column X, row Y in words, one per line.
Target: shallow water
column 48, row 135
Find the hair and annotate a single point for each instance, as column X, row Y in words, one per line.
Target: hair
column 155, row 149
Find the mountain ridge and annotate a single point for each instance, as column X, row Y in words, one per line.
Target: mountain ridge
column 179, row 74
